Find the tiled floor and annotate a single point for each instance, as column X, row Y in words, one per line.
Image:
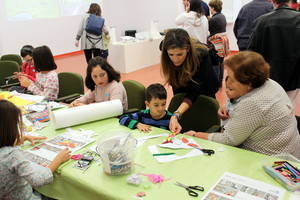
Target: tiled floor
column 146, row 76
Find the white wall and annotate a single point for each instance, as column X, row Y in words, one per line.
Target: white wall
column 59, row 33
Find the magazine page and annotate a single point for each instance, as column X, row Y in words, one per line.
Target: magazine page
column 235, row 187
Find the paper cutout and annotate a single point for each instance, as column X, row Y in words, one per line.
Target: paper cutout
column 142, row 140
column 168, row 158
column 155, row 178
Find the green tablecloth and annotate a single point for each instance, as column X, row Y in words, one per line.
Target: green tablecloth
column 93, row 184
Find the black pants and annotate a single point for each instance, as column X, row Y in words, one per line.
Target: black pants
column 90, row 53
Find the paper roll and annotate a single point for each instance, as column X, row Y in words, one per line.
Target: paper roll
column 82, row 114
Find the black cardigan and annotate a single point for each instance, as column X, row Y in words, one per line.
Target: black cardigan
column 205, row 81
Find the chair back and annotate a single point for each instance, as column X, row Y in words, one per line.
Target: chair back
column 135, row 95
column 201, row 116
column 7, row 69
column 12, row 57
column 70, row 84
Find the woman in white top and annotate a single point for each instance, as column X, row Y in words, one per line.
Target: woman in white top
column 194, row 21
column 263, row 119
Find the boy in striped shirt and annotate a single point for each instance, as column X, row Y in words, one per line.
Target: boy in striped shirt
column 156, row 114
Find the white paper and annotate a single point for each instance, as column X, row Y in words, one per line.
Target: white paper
column 113, row 35
column 178, row 144
column 142, row 140
column 82, row 114
column 28, row 97
column 235, row 187
column 168, row 158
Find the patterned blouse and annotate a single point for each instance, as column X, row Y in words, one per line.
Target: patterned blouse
column 45, row 85
column 18, row 175
column 262, row 121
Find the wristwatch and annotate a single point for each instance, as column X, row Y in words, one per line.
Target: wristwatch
column 177, row 114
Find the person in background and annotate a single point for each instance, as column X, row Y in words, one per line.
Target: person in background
column 194, row 21
column 217, row 22
column 295, row 5
column 204, row 5
column 187, row 67
column 156, row 114
column 91, row 43
column 276, row 37
column 17, row 174
column 103, row 82
column 263, row 119
column 46, row 83
column 27, row 67
column 244, row 23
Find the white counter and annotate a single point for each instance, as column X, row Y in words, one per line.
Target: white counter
column 131, row 56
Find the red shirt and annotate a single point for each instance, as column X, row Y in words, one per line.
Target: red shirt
column 29, row 70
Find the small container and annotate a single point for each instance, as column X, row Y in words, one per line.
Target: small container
column 117, row 153
column 275, row 166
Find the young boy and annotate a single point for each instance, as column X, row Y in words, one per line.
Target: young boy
column 156, row 114
column 27, row 67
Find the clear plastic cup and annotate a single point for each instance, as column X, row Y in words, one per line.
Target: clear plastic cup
column 117, row 153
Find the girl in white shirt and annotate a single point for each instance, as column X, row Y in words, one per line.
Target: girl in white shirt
column 194, row 21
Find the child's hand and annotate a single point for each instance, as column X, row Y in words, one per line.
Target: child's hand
column 32, row 139
column 76, row 103
column 24, row 81
column 143, row 127
column 63, row 156
column 223, row 113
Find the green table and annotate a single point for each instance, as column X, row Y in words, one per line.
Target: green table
column 93, row 184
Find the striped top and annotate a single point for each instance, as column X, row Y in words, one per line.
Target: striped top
column 144, row 116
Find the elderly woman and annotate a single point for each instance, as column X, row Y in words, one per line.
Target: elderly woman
column 262, row 119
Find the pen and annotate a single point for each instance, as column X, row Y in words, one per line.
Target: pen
column 162, row 154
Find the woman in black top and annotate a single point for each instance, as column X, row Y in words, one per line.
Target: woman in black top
column 186, row 66
column 217, row 23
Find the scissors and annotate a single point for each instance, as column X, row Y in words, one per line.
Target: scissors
column 190, row 189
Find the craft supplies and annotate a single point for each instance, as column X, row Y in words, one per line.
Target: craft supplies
column 191, row 189
column 134, row 179
column 82, row 114
column 285, row 173
column 155, row 178
column 117, row 153
column 141, row 194
column 162, row 154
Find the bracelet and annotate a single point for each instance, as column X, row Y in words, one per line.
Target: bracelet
column 177, row 114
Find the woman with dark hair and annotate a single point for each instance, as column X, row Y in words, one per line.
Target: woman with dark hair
column 104, row 84
column 186, row 66
column 194, row 21
column 92, row 43
column 262, row 119
column 46, row 83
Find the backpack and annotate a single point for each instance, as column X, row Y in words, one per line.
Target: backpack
column 94, row 24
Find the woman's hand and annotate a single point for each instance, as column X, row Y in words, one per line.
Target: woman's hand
column 201, row 135
column 223, row 113
column 76, row 103
column 31, row 139
column 76, row 43
column 24, row 81
column 143, row 127
column 174, row 125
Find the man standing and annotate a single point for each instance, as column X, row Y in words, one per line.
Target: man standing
column 244, row 22
column 277, row 37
